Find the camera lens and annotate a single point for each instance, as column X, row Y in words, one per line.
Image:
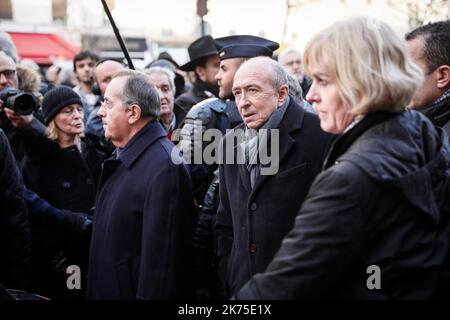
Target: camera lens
column 24, row 104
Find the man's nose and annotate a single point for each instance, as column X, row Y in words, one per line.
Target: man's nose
column 242, row 100
column 101, row 112
column 161, row 95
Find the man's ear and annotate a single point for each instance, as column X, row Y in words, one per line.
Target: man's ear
column 201, row 72
column 283, row 92
column 134, row 113
column 443, row 77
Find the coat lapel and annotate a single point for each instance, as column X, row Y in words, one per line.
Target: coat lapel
column 243, row 172
column 108, row 167
column 245, row 177
column 292, row 121
column 150, row 133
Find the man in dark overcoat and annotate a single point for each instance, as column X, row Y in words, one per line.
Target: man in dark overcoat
column 141, row 238
column 259, row 199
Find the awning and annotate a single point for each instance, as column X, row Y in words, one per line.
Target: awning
column 43, row 48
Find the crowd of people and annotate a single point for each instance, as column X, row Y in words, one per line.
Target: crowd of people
column 244, row 173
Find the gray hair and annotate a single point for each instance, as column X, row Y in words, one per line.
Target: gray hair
column 296, row 93
column 138, row 89
column 7, row 45
column 65, row 75
column 295, row 89
column 284, row 53
column 4, row 55
column 168, row 73
column 278, row 76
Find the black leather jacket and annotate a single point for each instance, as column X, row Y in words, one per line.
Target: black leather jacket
column 439, row 114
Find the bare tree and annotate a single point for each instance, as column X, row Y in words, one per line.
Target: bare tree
column 417, row 12
column 420, row 12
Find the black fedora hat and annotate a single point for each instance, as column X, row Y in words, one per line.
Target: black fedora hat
column 166, row 56
column 200, row 48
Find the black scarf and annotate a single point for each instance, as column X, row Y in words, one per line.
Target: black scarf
column 341, row 143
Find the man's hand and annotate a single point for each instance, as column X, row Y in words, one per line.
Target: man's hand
column 18, row 121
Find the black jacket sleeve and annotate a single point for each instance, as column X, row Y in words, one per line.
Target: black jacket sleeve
column 15, row 238
column 325, row 240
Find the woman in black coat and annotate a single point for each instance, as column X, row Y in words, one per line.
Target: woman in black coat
column 61, row 169
column 375, row 223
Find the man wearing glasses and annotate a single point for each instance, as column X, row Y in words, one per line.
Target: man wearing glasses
column 11, row 122
column 141, row 238
column 8, row 78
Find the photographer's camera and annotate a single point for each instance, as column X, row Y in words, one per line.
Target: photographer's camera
column 21, row 102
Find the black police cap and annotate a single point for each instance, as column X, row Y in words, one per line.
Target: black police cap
column 244, row 46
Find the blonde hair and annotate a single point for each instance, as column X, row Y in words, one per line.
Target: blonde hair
column 53, row 131
column 369, row 63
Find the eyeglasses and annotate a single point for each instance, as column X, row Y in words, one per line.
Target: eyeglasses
column 106, row 104
column 9, row 74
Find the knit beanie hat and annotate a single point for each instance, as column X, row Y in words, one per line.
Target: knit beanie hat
column 56, row 99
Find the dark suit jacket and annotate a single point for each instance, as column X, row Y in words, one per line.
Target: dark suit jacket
column 141, row 242
column 251, row 223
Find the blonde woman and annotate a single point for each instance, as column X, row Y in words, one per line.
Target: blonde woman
column 375, row 222
column 59, row 167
